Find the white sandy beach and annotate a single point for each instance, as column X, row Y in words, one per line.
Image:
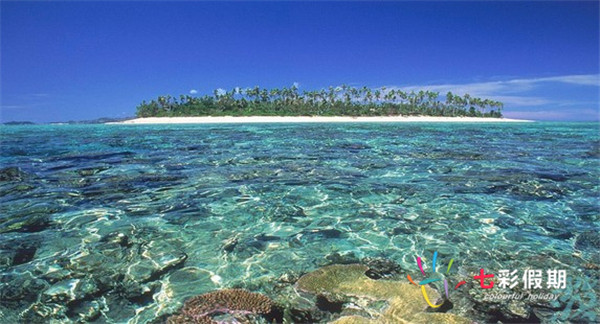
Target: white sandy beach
column 309, row 119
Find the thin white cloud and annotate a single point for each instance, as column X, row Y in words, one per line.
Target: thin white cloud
column 23, row 106
column 571, row 103
column 577, row 114
column 582, row 79
column 193, row 91
column 12, row 107
column 520, row 100
column 510, row 92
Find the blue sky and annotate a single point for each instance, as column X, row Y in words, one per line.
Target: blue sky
column 82, row 60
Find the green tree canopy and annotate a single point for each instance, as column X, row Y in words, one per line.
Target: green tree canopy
column 332, row 101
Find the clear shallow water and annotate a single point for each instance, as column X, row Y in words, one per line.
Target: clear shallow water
column 125, row 222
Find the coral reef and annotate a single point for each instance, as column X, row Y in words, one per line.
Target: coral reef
column 199, row 309
column 349, row 283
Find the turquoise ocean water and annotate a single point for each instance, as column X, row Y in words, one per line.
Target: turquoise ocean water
column 117, row 223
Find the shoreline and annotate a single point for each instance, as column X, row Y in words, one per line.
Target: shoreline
column 310, row 119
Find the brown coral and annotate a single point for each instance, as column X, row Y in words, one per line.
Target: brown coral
column 198, row 309
column 405, row 302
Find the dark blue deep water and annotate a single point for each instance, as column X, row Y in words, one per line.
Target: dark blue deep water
column 117, row 223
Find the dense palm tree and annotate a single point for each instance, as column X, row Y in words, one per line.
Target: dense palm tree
column 343, row 100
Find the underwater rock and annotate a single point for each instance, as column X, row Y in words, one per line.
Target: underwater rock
column 342, row 283
column 309, row 236
column 402, row 230
column 353, row 147
column 18, row 250
column 112, row 157
column 28, row 224
column 92, row 171
column 123, row 266
column 230, row 244
column 18, row 288
column 516, row 182
column 381, row 268
column 519, row 309
column 440, row 169
column 199, row 309
column 551, row 176
column 258, row 174
column 141, row 271
column 588, row 212
column 249, row 246
column 103, row 190
column 30, row 219
column 197, row 147
column 287, row 213
column 12, row 174
column 337, row 258
column 158, row 257
column 296, row 308
column 245, row 248
column 323, row 233
column 299, row 315
column 95, row 263
column 441, row 154
column 117, row 309
column 24, row 255
column 537, row 190
column 118, row 238
column 372, row 165
column 561, row 234
column 54, row 272
column 45, row 313
column 187, row 282
column 17, row 189
column 588, row 241
column 87, row 311
column 508, row 222
column 6, row 259
column 594, row 152
column 266, row 238
column 558, row 228
column 577, row 303
column 288, row 278
column 139, row 293
column 69, row 290
column 189, row 217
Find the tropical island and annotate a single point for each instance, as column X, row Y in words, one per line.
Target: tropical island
column 334, row 101
column 334, row 104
